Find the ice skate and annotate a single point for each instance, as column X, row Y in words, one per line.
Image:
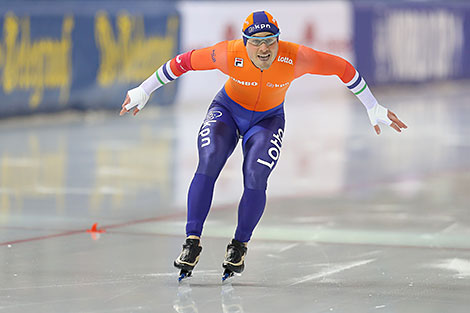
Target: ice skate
column 234, row 262
column 188, row 258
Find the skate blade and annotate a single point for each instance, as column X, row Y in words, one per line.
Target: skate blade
column 184, row 275
column 227, row 277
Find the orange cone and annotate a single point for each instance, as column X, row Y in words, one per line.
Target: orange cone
column 95, row 232
column 94, row 229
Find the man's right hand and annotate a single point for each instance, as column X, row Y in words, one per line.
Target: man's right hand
column 137, row 98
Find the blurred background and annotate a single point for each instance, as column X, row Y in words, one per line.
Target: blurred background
column 78, row 59
column 67, row 160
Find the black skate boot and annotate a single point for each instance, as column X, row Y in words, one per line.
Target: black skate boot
column 188, row 258
column 234, row 259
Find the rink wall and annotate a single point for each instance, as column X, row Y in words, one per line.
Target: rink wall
column 56, row 55
column 59, row 55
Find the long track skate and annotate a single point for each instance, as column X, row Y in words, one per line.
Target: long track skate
column 188, row 258
column 234, row 262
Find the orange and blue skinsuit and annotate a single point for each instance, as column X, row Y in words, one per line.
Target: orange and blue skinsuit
column 249, row 106
column 258, row 90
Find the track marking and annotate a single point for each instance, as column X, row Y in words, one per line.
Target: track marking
column 79, row 231
column 333, row 270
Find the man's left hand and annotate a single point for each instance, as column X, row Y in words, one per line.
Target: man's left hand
column 380, row 114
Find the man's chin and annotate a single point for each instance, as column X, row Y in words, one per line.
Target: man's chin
column 263, row 63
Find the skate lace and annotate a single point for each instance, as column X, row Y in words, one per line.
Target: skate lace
column 233, row 253
column 189, row 252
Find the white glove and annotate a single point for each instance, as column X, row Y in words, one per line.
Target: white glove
column 378, row 114
column 138, row 98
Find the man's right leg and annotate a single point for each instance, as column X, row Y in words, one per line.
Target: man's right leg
column 217, row 139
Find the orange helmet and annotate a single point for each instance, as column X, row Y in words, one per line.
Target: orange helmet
column 260, row 21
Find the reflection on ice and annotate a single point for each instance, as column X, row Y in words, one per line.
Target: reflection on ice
column 184, row 302
column 231, row 303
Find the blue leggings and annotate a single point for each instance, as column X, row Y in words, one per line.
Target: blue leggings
column 218, row 137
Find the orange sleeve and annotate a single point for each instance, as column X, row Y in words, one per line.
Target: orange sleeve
column 210, row 58
column 320, row 63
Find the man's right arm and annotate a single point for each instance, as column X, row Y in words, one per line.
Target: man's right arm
column 214, row 57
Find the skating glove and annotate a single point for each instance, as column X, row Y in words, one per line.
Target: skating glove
column 378, row 114
column 138, row 98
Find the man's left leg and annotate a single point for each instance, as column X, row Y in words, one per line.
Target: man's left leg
column 261, row 147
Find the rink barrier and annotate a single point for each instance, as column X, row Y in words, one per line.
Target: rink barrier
column 82, row 56
column 86, row 55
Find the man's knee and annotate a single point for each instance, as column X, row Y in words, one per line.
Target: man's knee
column 263, row 150
column 256, row 179
column 211, row 162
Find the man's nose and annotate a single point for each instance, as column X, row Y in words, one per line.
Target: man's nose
column 263, row 46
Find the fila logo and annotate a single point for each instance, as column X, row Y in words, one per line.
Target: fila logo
column 238, row 62
column 285, row 60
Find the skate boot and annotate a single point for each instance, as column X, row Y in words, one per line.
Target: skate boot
column 234, row 259
column 188, row 258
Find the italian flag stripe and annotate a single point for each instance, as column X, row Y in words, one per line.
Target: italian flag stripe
column 356, row 93
column 159, row 79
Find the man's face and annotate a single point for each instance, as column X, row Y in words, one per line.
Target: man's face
column 262, row 55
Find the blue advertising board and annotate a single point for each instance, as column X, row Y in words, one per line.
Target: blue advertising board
column 412, row 42
column 59, row 55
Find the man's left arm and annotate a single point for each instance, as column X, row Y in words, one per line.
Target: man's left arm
column 321, row 63
column 377, row 113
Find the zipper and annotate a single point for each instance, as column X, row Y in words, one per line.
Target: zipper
column 259, row 95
